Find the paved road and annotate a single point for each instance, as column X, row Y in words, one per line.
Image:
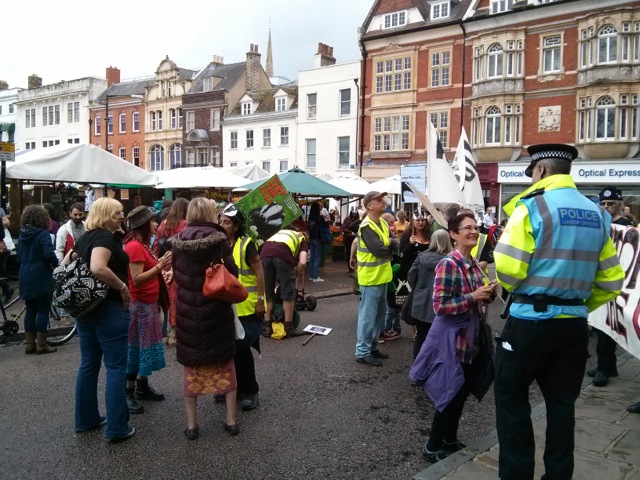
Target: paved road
column 322, row 416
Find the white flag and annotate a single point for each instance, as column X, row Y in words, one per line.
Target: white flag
column 464, row 166
column 442, row 186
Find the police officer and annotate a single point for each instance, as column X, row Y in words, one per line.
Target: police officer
column 557, row 260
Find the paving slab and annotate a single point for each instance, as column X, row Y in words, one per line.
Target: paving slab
column 605, row 409
column 625, row 448
column 590, row 466
column 631, row 421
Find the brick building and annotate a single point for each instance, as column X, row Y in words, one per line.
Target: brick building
column 513, row 73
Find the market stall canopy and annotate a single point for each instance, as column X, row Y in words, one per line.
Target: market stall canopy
column 391, row 185
column 301, row 183
column 352, row 184
column 80, row 164
column 199, row 177
column 250, row 172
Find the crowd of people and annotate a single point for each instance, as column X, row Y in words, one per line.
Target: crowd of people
column 408, row 267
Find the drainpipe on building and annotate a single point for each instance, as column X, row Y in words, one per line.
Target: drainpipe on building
column 362, row 92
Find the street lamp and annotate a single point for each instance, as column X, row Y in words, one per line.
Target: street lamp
column 106, row 114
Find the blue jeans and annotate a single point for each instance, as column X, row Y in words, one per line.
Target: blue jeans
column 104, row 333
column 392, row 318
column 36, row 315
column 371, row 313
column 314, row 257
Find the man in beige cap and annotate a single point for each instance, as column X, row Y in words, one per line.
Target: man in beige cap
column 373, row 256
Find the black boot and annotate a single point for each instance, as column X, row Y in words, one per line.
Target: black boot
column 145, row 392
column 134, row 405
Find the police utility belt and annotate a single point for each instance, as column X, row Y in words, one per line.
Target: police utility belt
column 541, row 301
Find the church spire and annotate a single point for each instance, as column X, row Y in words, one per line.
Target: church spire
column 269, row 65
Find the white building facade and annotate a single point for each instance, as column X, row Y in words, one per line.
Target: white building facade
column 8, row 114
column 56, row 114
column 328, row 115
column 262, row 131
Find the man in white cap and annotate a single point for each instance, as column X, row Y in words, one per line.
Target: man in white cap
column 558, row 262
column 373, row 259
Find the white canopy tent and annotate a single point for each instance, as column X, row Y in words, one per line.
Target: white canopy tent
column 80, row 164
column 251, row 172
column 352, row 184
column 199, row 177
column 391, row 185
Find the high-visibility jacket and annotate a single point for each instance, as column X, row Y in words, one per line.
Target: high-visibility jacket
column 246, row 276
column 290, row 238
column 373, row 270
column 557, row 243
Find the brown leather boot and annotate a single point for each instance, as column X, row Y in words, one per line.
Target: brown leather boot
column 41, row 344
column 29, row 343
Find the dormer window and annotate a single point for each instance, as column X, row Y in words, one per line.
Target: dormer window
column 440, row 10
column 397, row 19
column 246, row 108
column 281, row 104
column 207, row 84
column 499, row 6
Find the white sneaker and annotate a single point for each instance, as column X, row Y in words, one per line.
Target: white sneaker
column 315, row 280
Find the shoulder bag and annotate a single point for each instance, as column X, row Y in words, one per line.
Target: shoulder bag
column 219, row 284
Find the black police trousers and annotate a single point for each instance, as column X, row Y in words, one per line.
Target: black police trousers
column 553, row 353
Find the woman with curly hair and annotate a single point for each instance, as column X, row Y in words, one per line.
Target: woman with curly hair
column 37, row 260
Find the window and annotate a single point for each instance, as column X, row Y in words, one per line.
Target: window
column 13, row 105
column 179, row 118
column 499, row 6
column 440, row 65
column 159, row 115
column 607, row 45
column 284, row 165
column 393, row 20
column 440, row 121
column 312, row 99
column 494, row 61
column 45, row 117
column 233, row 140
column 266, row 137
column 249, row 138
column 73, row 112
column 215, row 157
column 135, row 155
column 440, row 10
column 391, row 133
column 493, row 126
column 69, row 112
column 214, row 120
column 266, row 165
column 157, row 156
column 207, row 84
column 191, row 157
column 202, row 157
column 284, row 136
column 135, row 119
column 123, row 123
column 605, row 119
column 393, row 75
column 110, row 125
column 343, row 151
column 281, row 104
column 311, row 152
column 57, row 114
column 551, row 51
column 173, row 119
column 122, row 153
column 30, row 118
column 153, row 121
column 97, row 126
column 191, row 120
column 345, row 102
column 175, row 156
column 246, row 108
column 30, row 145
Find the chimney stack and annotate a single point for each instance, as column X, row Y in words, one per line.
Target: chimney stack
column 217, row 60
column 4, row 85
column 34, row 81
column 253, row 68
column 112, row 75
column 324, row 57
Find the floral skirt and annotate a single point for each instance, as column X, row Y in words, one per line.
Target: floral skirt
column 146, row 351
column 210, row 379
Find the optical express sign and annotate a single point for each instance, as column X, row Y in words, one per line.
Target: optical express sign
column 582, row 172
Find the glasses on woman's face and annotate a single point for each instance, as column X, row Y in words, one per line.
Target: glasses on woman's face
column 470, row 228
column 608, row 204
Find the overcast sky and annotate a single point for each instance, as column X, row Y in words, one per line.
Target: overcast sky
column 70, row 39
